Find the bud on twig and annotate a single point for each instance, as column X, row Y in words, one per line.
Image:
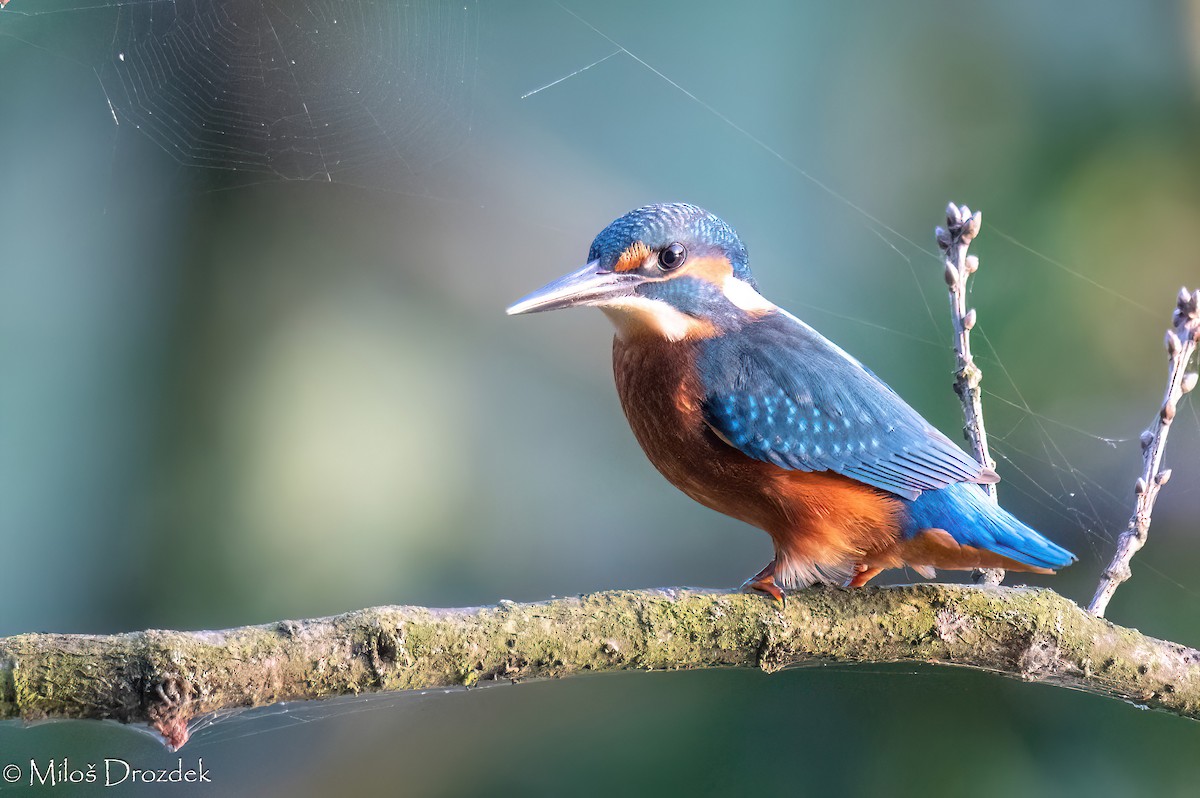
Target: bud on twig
column 951, row 276
column 1180, row 343
column 972, row 227
column 943, row 238
column 1188, row 301
column 961, row 226
column 1172, row 343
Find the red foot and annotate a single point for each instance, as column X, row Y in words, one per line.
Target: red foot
column 764, row 582
column 863, row 574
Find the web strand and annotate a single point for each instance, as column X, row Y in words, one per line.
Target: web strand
column 1073, row 483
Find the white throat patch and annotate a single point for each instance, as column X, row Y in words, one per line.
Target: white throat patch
column 636, row 315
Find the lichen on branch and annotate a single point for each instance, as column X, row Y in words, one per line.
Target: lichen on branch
column 169, row 679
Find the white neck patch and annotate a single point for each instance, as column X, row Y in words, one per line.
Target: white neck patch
column 743, row 295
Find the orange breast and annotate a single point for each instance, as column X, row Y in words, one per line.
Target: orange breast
column 815, row 518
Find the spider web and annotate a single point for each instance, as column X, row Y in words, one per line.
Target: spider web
column 321, row 89
column 1084, row 502
column 346, row 90
column 333, row 90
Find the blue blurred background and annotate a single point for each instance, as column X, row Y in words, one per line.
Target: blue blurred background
column 253, row 265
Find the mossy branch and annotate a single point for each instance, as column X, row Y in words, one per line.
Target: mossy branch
column 167, row 679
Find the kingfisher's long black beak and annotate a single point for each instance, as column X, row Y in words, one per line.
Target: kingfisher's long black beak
column 588, row 286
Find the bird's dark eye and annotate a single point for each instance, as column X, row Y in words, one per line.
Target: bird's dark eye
column 672, row 257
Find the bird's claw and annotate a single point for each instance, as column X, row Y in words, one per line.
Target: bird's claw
column 863, row 573
column 764, row 582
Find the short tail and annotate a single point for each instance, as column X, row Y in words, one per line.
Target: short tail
column 965, row 513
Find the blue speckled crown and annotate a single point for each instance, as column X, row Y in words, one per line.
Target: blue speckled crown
column 661, row 225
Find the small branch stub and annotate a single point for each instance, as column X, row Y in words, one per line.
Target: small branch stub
column 1180, row 343
column 962, row 225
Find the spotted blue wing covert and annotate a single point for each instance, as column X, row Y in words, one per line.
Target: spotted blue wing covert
column 780, row 392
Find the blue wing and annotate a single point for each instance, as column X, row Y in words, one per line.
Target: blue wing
column 781, row 392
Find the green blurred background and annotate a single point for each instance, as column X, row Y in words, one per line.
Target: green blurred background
column 238, row 387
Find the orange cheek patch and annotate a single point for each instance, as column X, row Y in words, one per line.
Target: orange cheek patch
column 633, row 257
column 713, row 270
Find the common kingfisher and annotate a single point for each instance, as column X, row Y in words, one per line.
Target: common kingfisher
column 753, row 413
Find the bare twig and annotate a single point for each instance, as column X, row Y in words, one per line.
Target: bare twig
column 961, row 228
column 1181, row 343
column 168, row 679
